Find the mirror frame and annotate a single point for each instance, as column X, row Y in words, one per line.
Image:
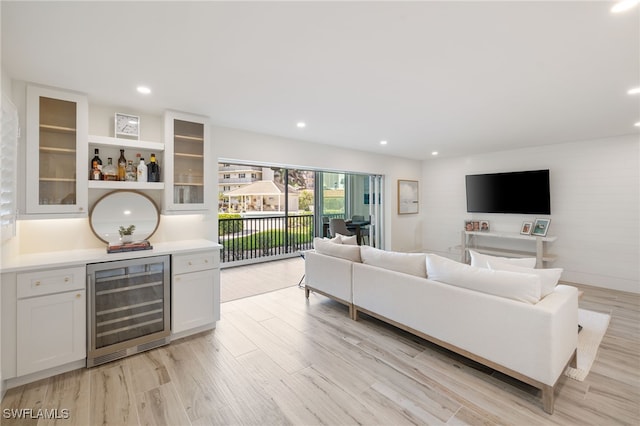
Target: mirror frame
column 120, row 191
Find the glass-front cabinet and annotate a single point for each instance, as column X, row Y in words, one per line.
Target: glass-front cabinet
column 186, row 149
column 56, row 151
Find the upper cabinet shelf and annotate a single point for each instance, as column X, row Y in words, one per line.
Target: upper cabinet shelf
column 189, row 138
column 57, row 129
column 125, row 143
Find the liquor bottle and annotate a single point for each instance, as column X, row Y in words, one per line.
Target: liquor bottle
column 132, row 171
column 142, row 171
column 97, row 159
column 153, row 170
column 122, row 166
column 95, row 174
column 110, row 172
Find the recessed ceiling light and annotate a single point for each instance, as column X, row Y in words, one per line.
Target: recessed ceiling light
column 634, row 91
column 624, row 5
column 143, row 89
column 383, row 142
column 637, row 124
column 301, row 124
column 434, row 153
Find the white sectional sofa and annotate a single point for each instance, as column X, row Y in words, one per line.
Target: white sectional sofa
column 516, row 321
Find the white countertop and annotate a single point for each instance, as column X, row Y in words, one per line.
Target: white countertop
column 65, row 258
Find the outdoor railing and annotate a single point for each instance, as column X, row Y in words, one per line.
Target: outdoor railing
column 248, row 238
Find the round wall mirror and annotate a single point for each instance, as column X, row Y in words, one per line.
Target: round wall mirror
column 119, row 212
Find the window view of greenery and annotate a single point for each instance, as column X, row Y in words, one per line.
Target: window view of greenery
column 264, row 211
column 272, row 211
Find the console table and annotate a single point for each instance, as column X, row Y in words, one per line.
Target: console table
column 481, row 242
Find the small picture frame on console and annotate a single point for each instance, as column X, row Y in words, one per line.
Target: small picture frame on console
column 484, row 225
column 468, row 225
column 540, row 227
column 526, row 228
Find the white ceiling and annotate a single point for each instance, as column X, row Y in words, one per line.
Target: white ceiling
column 456, row 77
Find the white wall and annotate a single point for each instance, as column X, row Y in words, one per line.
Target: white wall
column 595, row 206
column 403, row 233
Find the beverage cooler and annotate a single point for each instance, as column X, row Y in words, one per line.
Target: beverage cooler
column 128, row 307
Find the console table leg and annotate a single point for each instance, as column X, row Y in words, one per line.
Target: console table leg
column 539, row 253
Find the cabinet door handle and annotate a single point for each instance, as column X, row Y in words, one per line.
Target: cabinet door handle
column 206, row 261
column 78, row 296
column 190, row 263
column 37, row 283
column 66, row 279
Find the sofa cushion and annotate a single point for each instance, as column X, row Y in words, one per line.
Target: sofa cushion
column 548, row 277
column 349, row 252
column 347, row 240
column 513, row 285
column 480, row 260
column 408, row 263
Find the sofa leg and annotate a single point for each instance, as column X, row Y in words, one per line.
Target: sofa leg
column 573, row 362
column 548, row 398
column 306, row 292
column 353, row 312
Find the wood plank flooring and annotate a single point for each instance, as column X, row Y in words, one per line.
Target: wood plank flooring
column 277, row 359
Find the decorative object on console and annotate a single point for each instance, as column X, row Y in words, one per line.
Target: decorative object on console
column 484, row 225
column 526, row 228
column 130, row 246
column 468, row 225
column 126, row 234
column 127, row 125
column 540, row 227
column 407, row 196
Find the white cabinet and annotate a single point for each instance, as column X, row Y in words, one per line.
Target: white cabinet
column 482, row 243
column 188, row 163
column 195, row 291
column 51, row 319
column 57, row 124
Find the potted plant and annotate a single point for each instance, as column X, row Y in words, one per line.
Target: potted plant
column 126, row 234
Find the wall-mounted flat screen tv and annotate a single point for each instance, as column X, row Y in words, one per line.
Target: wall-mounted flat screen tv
column 514, row 192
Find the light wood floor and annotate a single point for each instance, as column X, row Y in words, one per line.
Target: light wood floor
column 244, row 281
column 278, row 359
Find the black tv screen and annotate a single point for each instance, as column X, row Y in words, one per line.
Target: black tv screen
column 514, row 192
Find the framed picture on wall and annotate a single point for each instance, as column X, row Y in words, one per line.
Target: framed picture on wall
column 540, row 227
column 407, row 196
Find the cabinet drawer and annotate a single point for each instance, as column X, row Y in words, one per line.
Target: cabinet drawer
column 50, row 281
column 193, row 262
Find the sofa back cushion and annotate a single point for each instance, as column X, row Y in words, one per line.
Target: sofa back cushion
column 347, row 240
column 344, row 251
column 480, row 260
column 512, row 285
column 548, row 277
column 408, row 263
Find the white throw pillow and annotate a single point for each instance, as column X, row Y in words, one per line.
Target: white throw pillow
column 328, row 248
column 480, row 260
column 408, row 263
column 348, row 240
column 511, row 285
column 336, row 239
column 548, row 277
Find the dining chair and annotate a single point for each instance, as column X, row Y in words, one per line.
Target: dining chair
column 338, row 226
